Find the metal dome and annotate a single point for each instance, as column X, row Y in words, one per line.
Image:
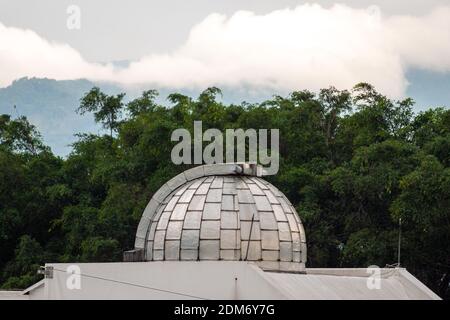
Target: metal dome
column 213, row 212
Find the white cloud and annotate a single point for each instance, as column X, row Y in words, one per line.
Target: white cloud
column 25, row 53
column 421, row 42
column 308, row 47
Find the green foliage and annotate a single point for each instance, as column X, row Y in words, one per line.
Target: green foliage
column 369, row 246
column 19, row 135
column 425, row 189
column 353, row 163
column 106, row 109
column 22, row 270
column 100, row 250
column 144, row 104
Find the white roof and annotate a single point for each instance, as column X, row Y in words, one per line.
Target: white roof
column 222, row 280
column 344, row 284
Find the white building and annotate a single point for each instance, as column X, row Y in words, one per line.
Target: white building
column 219, row 232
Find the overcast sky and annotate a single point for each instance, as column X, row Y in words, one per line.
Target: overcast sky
column 278, row 45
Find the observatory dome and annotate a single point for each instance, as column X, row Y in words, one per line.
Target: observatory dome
column 222, row 212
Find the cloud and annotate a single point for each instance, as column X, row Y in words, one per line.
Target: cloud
column 421, row 42
column 308, row 47
column 25, row 53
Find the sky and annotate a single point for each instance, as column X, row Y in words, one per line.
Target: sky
column 264, row 46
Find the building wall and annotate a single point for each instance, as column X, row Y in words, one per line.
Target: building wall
column 179, row 280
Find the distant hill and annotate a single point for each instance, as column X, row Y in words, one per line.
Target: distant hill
column 50, row 105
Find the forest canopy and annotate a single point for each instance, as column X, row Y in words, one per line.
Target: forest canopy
column 353, row 163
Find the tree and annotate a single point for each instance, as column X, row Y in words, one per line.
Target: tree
column 106, row 108
column 143, row 104
column 423, row 205
column 22, row 270
column 100, row 250
column 334, row 103
column 19, row 135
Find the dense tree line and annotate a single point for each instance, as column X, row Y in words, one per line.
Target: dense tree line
column 354, row 164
